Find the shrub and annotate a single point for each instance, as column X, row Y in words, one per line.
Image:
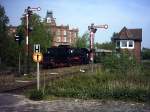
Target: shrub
column 36, row 95
column 122, row 63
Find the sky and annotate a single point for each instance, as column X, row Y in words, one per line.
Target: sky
column 81, row 13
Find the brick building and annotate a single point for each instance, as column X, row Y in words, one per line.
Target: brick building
column 129, row 39
column 61, row 35
column 12, row 30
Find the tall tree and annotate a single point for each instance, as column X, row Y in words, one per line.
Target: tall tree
column 3, row 28
column 8, row 48
column 39, row 33
column 83, row 42
column 146, row 53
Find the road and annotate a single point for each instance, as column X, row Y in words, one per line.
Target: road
column 18, row 103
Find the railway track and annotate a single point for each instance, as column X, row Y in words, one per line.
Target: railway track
column 46, row 76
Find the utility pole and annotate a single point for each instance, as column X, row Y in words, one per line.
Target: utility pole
column 28, row 13
column 93, row 29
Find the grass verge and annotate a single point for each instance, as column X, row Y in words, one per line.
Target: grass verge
column 103, row 85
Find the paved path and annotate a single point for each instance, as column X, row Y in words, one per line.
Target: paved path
column 18, row 103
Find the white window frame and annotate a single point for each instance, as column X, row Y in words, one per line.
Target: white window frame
column 65, row 32
column 127, row 42
column 70, row 39
column 118, row 41
column 58, row 39
column 132, row 44
column 48, row 20
column 58, row 31
column 75, row 34
column 65, row 39
column 121, row 43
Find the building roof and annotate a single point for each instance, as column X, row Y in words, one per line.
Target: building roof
column 129, row 34
column 49, row 14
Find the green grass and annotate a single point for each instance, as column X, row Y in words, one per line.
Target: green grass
column 133, row 85
column 103, row 85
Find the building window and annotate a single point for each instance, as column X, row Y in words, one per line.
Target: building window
column 58, row 39
column 130, row 43
column 118, row 44
column 124, row 43
column 58, row 32
column 65, row 39
column 65, row 33
column 70, row 39
column 48, row 30
column 75, row 35
column 48, row 20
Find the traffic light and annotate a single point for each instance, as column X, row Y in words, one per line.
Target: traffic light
column 18, row 38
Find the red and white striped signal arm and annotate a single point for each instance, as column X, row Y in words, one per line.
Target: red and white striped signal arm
column 105, row 26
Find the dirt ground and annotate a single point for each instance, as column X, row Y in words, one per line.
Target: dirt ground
column 18, row 103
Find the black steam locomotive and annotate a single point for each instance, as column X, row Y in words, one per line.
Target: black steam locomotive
column 65, row 56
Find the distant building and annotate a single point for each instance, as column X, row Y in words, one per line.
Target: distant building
column 61, row 35
column 12, row 30
column 129, row 39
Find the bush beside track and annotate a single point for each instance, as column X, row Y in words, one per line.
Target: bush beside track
column 121, row 78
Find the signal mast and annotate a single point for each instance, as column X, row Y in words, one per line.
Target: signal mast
column 93, row 28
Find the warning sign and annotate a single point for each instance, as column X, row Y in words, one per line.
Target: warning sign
column 37, row 57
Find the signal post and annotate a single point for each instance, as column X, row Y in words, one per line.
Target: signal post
column 93, row 29
column 28, row 13
column 37, row 57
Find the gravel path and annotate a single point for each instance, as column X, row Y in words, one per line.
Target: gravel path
column 18, row 103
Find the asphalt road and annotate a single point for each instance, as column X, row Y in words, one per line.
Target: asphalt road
column 18, row 103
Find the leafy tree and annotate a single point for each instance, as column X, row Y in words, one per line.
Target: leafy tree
column 122, row 63
column 113, row 36
column 83, row 42
column 8, row 48
column 146, row 53
column 106, row 45
column 3, row 29
column 39, row 34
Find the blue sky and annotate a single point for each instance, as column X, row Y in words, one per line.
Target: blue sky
column 81, row 13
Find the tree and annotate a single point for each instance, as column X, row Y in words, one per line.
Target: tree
column 146, row 53
column 106, row 45
column 39, row 33
column 83, row 42
column 3, row 29
column 114, row 36
column 123, row 63
column 8, row 48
